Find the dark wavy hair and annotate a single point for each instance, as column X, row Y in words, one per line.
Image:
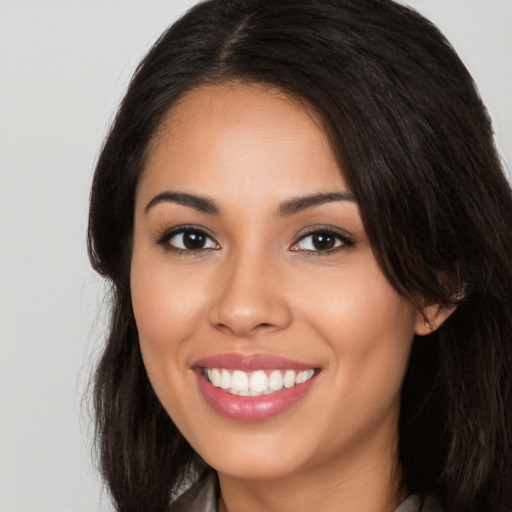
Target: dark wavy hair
column 416, row 146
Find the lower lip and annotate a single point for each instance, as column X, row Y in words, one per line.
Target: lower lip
column 252, row 408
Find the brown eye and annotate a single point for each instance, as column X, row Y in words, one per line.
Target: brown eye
column 193, row 240
column 189, row 240
column 322, row 241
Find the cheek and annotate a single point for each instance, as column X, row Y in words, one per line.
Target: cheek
column 165, row 303
column 368, row 326
column 166, row 309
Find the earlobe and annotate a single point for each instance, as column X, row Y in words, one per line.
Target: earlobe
column 430, row 318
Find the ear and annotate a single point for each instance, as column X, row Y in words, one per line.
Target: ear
column 431, row 317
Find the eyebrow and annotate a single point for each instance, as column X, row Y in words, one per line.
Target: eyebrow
column 302, row 203
column 289, row 207
column 202, row 204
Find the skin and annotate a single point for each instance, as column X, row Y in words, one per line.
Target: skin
column 256, row 289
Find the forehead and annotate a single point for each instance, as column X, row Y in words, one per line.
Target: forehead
column 241, row 138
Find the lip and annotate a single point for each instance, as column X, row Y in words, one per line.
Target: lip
column 252, row 362
column 251, row 408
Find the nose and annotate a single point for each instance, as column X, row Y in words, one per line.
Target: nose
column 251, row 298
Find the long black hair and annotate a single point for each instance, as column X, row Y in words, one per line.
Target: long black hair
column 416, row 145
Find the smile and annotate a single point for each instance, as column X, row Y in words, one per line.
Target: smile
column 256, row 383
column 253, row 387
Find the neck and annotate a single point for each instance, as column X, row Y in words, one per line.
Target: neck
column 362, row 483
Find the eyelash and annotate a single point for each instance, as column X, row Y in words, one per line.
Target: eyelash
column 344, row 242
column 165, row 238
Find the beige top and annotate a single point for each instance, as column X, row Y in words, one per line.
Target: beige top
column 203, row 497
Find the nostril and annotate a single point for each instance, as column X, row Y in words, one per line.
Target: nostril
column 247, row 331
column 246, row 314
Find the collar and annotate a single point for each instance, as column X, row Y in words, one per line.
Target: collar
column 203, row 496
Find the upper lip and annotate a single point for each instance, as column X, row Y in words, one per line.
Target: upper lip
column 250, row 362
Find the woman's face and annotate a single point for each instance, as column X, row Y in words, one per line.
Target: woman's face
column 251, row 268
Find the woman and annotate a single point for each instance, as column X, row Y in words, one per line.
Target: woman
column 307, row 231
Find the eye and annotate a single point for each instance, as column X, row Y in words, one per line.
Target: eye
column 187, row 239
column 322, row 241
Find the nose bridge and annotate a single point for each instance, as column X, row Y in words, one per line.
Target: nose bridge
column 250, row 299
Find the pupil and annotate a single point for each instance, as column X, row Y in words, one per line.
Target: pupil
column 323, row 242
column 193, row 240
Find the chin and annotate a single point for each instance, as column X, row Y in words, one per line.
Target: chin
column 247, row 468
column 259, row 458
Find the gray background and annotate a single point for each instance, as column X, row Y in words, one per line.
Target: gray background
column 63, row 68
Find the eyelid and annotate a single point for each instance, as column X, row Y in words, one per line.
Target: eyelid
column 164, row 238
column 345, row 238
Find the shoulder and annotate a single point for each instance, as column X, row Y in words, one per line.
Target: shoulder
column 200, row 497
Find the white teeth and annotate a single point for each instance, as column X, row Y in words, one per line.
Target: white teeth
column 289, row 379
column 239, row 381
column 215, row 377
column 275, row 381
column 256, row 383
column 225, row 381
column 304, row 376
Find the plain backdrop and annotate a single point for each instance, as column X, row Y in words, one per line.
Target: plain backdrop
column 64, row 66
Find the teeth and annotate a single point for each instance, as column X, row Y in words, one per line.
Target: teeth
column 256, row 383
column 275, row 381
column 215, row 377
column 225, row 380
column 304, row 376
column 239, row 382
column 289, row 379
